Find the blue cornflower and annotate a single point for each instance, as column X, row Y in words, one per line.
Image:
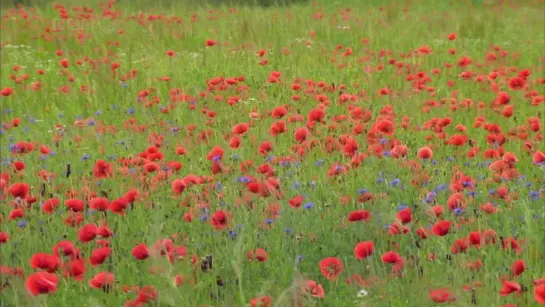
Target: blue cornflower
column 269, row 221
column 395, row 182
column 458, row 211
column 309, row 205
column 362, row 191
column 22, row 223
column 534, row 195
column 131, row 111
column 244, row 179
column 319, row 162
column 204, row 218
column 86, row 157
column 467, row 184
column 430, row 197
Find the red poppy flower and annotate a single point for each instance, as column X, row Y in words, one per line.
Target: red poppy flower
column 385, row 127
column 258, row 254
column 364, row 249
column 102, row 169
column 41, row 283
column 87, row 233
column 178, row 186
column 261, row 301
column 102, row 280
column 19, row 189
column 6, row 91
column 359, row 215
column 74, row 204
column 442, row 295
column 518, row 267
column 441, row 228
column 50, row 205
column 390, row 257
column 99, row 255
column 425, row 153
column 65, row 248
column 147, row 294
column 4, row 237
column 118, row 206
column 510, row 287
column 43, row 261
column 312, row 288
column 74, row 268
column 404, row 216
column 296, row 202
column 331, row 267
column 140, row 251
column 99, row 204
column 220, row 219
column 539, row 294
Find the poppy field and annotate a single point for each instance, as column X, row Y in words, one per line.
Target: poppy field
column 350, row 153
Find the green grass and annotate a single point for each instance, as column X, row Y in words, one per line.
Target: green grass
column 320, row 232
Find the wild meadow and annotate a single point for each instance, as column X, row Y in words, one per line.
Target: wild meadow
column 329, row 153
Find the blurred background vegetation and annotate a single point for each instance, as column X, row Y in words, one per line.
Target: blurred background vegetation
column 143, row 4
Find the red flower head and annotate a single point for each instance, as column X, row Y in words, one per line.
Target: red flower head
column 312, row 288
column 510, row 287
column 331, row 267
column 539, row 294
column 442, row 295
column 102, row 280
column 390, row 257
column 220, row 219
column 102, row 169
column 518, row 267
column 258, row 254
column 261, row 301
column 19, row 189
column 41, row 283
column 425, row 153
column 441, row 228
column 364, row 249
column 43, row 261
column 140, row 251
column 99, row 255
column 359, row 215
column 87, row 233
column 99, row 204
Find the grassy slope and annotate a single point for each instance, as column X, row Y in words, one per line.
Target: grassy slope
column 143, row 48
